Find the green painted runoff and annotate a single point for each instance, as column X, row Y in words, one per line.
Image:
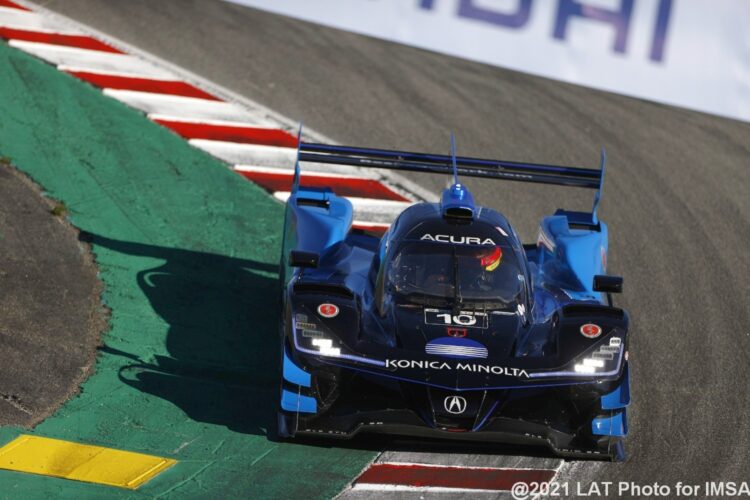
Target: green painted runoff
column 188, row 253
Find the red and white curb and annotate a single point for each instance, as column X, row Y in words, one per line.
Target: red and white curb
column 255, row 142
column 412, row 474
column 260, row 145
column 396, row 476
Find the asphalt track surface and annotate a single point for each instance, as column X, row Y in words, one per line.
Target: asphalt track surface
column 675, row 195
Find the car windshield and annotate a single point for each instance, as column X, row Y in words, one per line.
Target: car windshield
column 439, row 274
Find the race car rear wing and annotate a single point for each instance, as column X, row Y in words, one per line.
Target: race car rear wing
column 445, row 164
column 442, row 164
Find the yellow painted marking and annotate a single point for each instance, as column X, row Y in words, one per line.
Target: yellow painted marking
column 81, row 462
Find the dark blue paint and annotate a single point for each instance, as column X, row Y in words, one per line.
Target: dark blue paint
column 459, row 389
column 486, row 416
column 434, row 163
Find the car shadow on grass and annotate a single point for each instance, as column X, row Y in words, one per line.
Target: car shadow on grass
column 223, row 343
column 222, row 340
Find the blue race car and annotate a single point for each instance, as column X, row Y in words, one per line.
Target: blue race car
column 447, row 326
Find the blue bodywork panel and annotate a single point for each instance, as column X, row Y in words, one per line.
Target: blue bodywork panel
column 322, row 219
column 616, row 425
column 297, row 402
column 620, row 397
column 571, row 254
column 293, row 373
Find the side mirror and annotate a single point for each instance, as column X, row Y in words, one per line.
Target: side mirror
column 607, row 284
column 298, row 258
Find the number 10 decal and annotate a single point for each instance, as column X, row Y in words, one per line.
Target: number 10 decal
column 447, row 318
column 461, row 319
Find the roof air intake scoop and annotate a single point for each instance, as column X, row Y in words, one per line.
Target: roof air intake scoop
column 457, row 202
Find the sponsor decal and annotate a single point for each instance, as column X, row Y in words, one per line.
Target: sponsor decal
column 608, row 352
column 457, row 332
column 312, row 334
column 458, row 240
column 545, row 241
column 328, row 310
column 472, row 367
column 455, row 404
column 450, row 347
column 591, row 331
column 501, row 231
column 445, row 317
column 307, row 328
column 604, row 258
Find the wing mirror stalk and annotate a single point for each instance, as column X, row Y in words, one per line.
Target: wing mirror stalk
column 308, row 260
column 608, row 285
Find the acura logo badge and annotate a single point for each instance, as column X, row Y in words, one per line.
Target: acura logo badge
column 455, row 404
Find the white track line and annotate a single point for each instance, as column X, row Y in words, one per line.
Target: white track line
column 253, row 154
column 473, row 460
column 186, row 107
column 76, row 69
column 364, row 203
column 317, row 173
column 454, row 466
column 267, row 123
column 422, row 489
column 340, row 171
column 376, row 226
column 92, row 60
column 250, row 156
column 366, row 209
column 31, row 21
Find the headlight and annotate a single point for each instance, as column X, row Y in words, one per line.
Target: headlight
column 326, row 347
column 605, row 361
column 311, row 337
column 599, row 358
column 314, row 337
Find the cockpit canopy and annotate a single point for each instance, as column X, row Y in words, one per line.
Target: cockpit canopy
column 474, row 265
column 443, row 274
